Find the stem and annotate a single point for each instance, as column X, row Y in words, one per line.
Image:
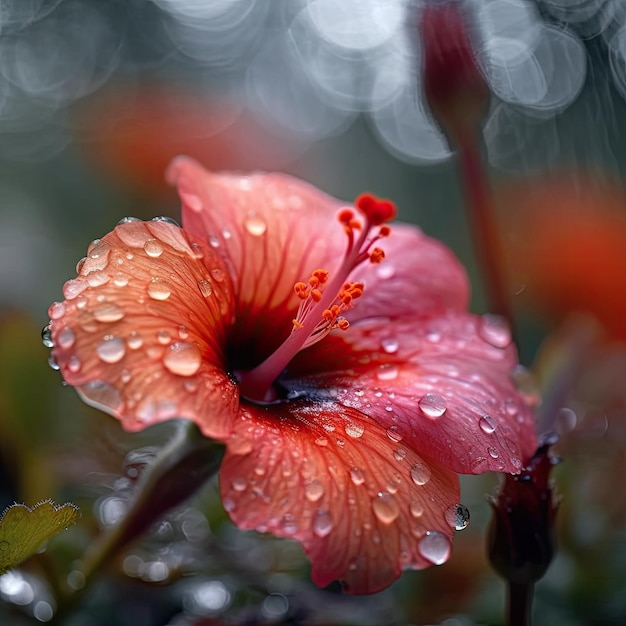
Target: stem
column 483, row 226
column 519, row 603
column 179, row 470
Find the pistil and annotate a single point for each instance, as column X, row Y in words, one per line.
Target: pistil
column 324, row 299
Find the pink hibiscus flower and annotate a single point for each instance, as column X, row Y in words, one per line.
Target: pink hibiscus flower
column 349, row 390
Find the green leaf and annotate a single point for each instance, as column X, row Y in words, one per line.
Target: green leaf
column 24, row 530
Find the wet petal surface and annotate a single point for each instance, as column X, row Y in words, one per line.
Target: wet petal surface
column 444, row 386
column 363, row 506
column 142, row 331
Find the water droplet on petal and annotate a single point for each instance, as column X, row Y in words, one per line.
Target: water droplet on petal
column 183, row 333
column 321, row 441
column 183, row 359
column 56, row 310
column 433, row 405
column 387, row 372
column 153, row 248
column 458, row 516
column 163, row 337
column 66, row 338
column 322, row 522
column 52, row 362
column 416, row 508
column 314, row 491
column 385, row 507
column 494, row 330
column 354, row 430
column 217, row 274
column 399, row 454
column 111, row 350
column 239, row 483
column 205, row 288
column 487, row 424
column 101, row 394
column 46, row 337
column 127, row 220
column 420, row 473
column 167, row 220
column 493, row 452
column 255, row 225
column 96, row 279
column 74, row 364
column 134, row 340
column 108, row 313
column 120, row 279
column 288, row 524
column 394, row 433
column 390, row 345
column 385, row 270
column 480, row 465
column 357, row 476
column 73, row 288
column 159, row 289
column 435, row 547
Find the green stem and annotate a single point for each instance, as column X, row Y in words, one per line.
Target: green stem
column 519, row 603
column 178, row 471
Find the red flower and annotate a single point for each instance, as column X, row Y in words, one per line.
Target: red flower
column 349, row 392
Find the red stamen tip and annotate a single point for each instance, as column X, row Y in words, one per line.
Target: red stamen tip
column 376, row 210
column 377, row 255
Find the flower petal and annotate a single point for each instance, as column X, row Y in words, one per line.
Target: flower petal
column 273, row 231
column 363, row 506
column 419, row 277
column 142, row 331
column 445, row 385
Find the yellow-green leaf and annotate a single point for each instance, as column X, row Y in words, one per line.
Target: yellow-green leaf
column 24, row 530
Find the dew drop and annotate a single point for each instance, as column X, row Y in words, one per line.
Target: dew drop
column 385, row 507
column 205, row 288
column 111, row 349
column 487, row 424
column 433, row 405
column 127, row 220
column 214, row 241
column 183, row 359
column 120, row 279
column 480, row 465
column 399, row 454
column 108, row 313
column 394, row 433
column 134, row 340
column 56, row 310
column 435, row 547
column 322, row 522
column 390, row 345
column 46, row 336
column 218, row 274
column 314, row 491
column 66, row 337
column 101, row 394
column 354, row 430
column 159, row 289
column 420, row 473
column 183, row 333
column 357, row 476
column 167, row 220
column 74, row 364
column 73, row 288
column 52, row 362
column 387, row 372
column 416, row 508
column 163, row 337
column 494, row 330
column 493, row 452
column 288, row 524
column 153, row 248
column 197, row 251
column 457, row 516
column 255, row 225
column 96, row 279
column 239, row 483
column 321, row 441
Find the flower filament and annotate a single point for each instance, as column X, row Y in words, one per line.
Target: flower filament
column 324, row 299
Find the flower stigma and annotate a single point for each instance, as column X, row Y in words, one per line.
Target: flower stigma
column 324, row 298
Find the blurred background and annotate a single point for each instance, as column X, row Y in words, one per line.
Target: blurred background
column 96, row 97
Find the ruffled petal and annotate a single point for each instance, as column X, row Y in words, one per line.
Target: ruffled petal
column 419, row 277
column 363, row 506
column 142, row 331
column 444, row 385
column 273, row 231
